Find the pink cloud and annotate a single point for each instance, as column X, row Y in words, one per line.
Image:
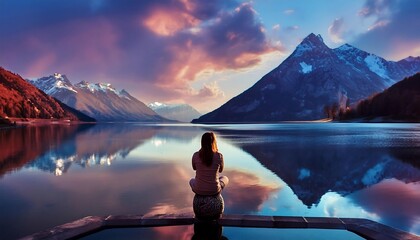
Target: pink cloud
column 167, row 22
column 150, row 48
column 238, row 199
column 216, row 47
column 92, row 45
column 41, row 65
column 391, row 35
column 379, row 24
column 392, row 200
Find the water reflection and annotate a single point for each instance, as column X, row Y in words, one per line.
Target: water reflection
column 208, row 231
column 339, row 170
column 22, row 145
column 394, row 201
column 283, row 169
column 247, row 194
column 340, row 160
column 54, row 148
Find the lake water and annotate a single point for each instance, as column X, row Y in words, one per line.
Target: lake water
column 50, row 175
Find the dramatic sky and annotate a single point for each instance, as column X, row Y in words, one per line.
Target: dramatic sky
column 201, row 52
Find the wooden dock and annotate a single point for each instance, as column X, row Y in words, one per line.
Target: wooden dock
column 365, row 228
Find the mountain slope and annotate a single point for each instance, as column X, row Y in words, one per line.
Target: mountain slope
column 99, row 100
column 399, row 102
column 20, row 99
column 312, row 77
column 179, row 112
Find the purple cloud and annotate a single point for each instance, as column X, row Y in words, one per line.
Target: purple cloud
column 376, row 7
column 158, row 47
column 394, row 34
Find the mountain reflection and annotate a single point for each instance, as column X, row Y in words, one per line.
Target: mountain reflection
column 20, row 146
column 369, row 179
column 313, row 172
column 314, row 164
column 55, row 148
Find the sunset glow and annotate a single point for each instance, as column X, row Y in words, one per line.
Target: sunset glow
column 160, row 50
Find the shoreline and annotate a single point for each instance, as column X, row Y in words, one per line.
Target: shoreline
column 24, row 122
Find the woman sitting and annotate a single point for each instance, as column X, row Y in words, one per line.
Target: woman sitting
column 208, row 163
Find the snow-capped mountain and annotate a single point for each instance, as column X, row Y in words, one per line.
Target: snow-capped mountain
column 179, row 112
column 312, row 77
column 99, row 100
column 19, row 99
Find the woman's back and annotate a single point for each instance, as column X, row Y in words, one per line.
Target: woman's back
column 207, row 177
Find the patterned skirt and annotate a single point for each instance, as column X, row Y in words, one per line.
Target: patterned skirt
column 208, row 207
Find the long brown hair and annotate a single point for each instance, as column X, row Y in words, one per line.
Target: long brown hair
column 208, row 148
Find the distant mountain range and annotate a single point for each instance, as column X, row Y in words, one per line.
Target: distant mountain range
column 98, row 100
column 399, row 102
column 179, row 112
column 311, row 78
column 19, row 99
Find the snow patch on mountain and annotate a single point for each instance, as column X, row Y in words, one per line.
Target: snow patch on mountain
column 304, row 173
column 302, row 48
column 373, row 175
column 346, row 47
column 124, row 94
column 99, row 100
column 53, row 83
column 157, row 105
column 306, row 68
column 58, row 85
column 308, row 44
column 179, row 112
column 375, row 65
column 103, row 87
column 312, row 79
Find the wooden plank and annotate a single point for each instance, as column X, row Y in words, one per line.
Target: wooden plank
column 363, row 227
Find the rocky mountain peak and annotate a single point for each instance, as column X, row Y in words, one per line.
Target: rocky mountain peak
column 53, row 83
column 309, row 44
column 100, row 100
column 347, row 47
column 82, row 83
column 314, row 39
column 412, row 59
column 310, row 80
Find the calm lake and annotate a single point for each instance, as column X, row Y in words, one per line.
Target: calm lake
column 50, row 175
